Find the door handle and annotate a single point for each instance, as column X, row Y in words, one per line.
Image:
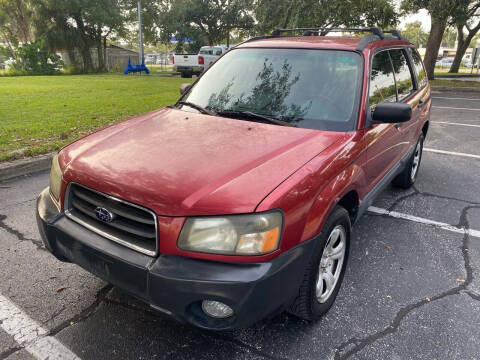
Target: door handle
column 420, row 104
column 397, row 126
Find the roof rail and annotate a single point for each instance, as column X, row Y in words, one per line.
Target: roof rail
column 376, row 34
column 318, row 30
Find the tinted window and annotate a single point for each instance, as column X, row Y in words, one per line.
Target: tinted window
column 403, row 75
column 315, row 89
column 382, row 81
column 419, row 69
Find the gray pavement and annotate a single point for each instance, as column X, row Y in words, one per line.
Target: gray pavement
column 411, row 290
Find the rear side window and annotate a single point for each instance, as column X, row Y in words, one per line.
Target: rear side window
column 403, row 75
column 419, row 69
column 382, row 81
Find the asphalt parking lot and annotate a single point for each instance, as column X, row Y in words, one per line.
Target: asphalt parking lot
column 411, row 290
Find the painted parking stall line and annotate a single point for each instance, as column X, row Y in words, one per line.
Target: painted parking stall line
column 456, row 124
column 30, row 335
column 441, row 225
column 453, row 153
column 454, row 108
column 448, row 98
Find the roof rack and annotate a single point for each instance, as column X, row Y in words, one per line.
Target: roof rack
column 319, row 30
column 376, row 34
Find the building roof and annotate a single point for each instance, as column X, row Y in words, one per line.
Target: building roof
column 114, row 46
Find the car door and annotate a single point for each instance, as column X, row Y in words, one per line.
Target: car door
column 407, row 93
column 383, row 140
column 423, row 96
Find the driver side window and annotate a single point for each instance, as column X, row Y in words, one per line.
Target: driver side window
column 382, row 80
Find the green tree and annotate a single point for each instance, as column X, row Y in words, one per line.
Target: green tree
column 15, row 26
column 449, row 37
column 441, row 12
column 467, row 22
column 81, row 25
column 414, row 32
column 204, row 20
column 272, row 14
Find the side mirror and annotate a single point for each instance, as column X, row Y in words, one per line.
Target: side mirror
column 388, row 112
column 184, row 88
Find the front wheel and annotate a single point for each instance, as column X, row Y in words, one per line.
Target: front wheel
column 409, row 175
column 324, row 273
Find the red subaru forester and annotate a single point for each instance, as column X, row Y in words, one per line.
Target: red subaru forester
column 237, row 202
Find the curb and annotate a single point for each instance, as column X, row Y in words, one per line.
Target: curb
column 456, row 89
column 12, row 169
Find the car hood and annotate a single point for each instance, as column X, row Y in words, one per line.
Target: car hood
column 180, row 164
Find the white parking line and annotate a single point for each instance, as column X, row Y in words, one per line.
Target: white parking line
column 444, row 226
column 452, row 153
column 449, row 98
column 30, row 335
column 454, row 108
column 450, row 123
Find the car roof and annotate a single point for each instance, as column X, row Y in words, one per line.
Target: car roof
column 321, row 42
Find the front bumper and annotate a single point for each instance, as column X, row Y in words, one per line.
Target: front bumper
column 177, row 285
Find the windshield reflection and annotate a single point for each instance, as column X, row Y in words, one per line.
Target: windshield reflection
column 314, row 89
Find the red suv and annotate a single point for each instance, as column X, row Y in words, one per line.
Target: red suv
column 237, row 202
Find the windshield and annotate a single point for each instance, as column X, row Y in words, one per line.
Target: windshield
column 315, row 89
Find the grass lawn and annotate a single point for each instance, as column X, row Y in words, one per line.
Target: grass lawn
column 455, row 83
column 39, row 114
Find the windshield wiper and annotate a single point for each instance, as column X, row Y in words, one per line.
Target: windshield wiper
column 197, row 107
column 252, row 115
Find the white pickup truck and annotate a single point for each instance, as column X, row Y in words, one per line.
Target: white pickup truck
column 190, row 64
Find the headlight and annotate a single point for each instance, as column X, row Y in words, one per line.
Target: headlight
column 252, row 234
column 55, row 178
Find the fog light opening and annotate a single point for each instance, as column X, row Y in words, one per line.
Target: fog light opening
column 216, row 309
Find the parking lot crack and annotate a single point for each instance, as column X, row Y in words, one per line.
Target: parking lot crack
column 403, row 198
column 84, row 314
column 20, row 236
column 5, row 354
column 360, row 344
column 355, row 345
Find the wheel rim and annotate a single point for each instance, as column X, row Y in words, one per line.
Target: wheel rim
column 331, row 263
column 416, row 160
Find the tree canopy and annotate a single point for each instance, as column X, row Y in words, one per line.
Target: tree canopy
column 273, row 14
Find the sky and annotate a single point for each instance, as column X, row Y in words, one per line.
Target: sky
column 421, row 16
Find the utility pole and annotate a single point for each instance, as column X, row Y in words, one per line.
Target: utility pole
column 140, row 38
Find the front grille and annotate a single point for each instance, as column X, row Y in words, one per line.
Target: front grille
column 131, row 225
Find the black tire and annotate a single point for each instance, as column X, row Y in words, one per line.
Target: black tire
column 186, row 75
column 406, row 179
column 306, row 305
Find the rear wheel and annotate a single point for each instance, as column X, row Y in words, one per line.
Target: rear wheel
column 409, row 175
column 186, row 74
column 324, row 273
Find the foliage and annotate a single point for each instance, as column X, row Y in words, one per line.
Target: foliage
column 465, row 20
column 77, row 26
column 205, row 21
column 272, row 14
column 15, row 26
column 449, row 37
column 414, row 32
column 441, row 13
column 42, row 113
column 35, row 58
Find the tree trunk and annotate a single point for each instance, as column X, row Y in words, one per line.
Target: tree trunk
column 433, row 45
column 107, row 67
column 98, row 40
column 463, row 44
column 461, row 49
